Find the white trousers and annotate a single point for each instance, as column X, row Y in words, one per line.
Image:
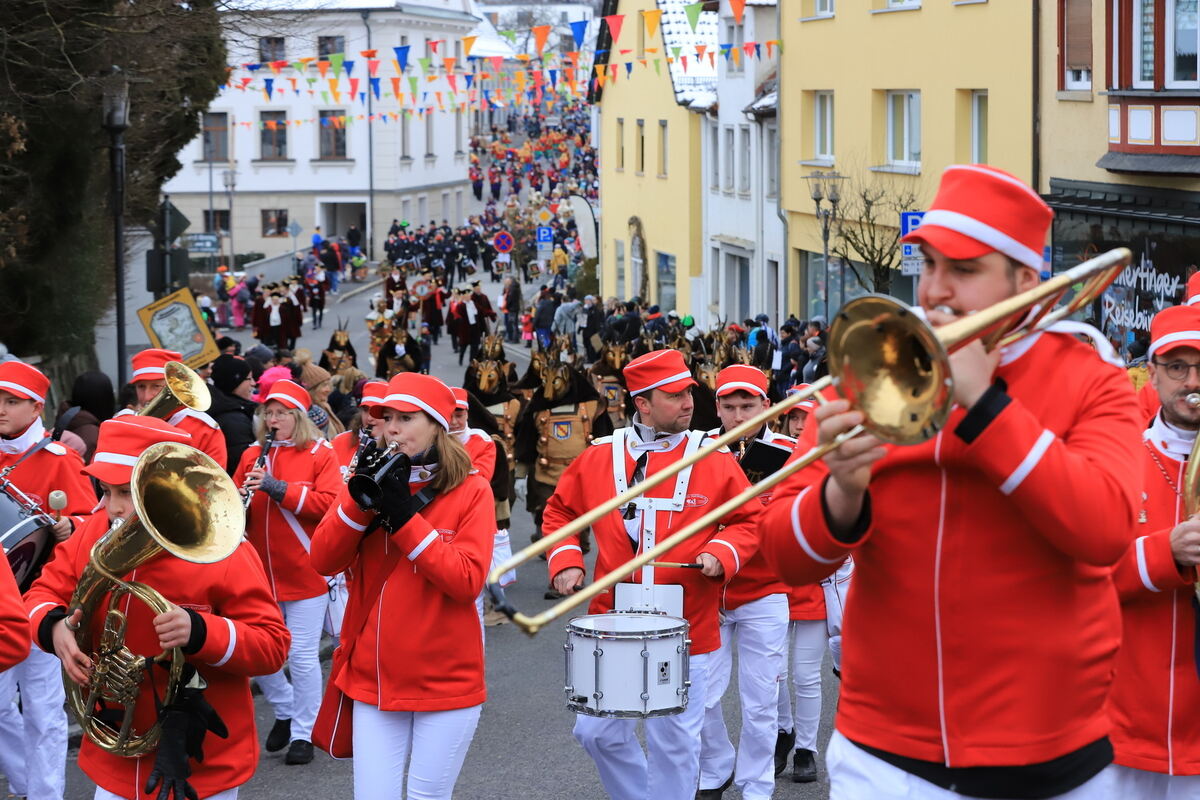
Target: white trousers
column 300, row 699
column 669, row 767
column 808, row 639
column 1129, row 782
column 228, row 794
column 855, row 774
column 430, row 745
column 759, row 630
column 836, row 587
column 33, row 741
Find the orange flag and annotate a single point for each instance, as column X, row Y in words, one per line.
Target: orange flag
column 739, row 9
column 540, row 34
column 651, row 19
column 396, row 87
column 468, row 42
column 323, row 67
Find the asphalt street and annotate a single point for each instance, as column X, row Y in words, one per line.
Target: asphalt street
column 523, row 748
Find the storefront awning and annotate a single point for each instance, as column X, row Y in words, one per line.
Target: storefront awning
column 1145, row 203
column 1165, row 163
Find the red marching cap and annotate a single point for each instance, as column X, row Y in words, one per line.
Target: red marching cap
column 741, row 378
column 412, row 391
column 1191, row 295
column 460, row 397
column 150, row 365
column 290, row 394
column 980, row 209
column 661, row 369
column 21, row 380
column 808, row 404
column 1177, row 326
column 372, row 393
column 122, row 439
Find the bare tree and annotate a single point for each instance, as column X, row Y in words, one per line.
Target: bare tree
column 866, row 233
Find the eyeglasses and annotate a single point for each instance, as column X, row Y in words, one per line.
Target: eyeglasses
column 1178, row 370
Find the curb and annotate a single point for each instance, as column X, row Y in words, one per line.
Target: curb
column 355, row 292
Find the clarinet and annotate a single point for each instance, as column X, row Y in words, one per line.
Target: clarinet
column 260, row 463
column 363, row 438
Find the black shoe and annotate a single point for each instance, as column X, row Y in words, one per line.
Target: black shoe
column 783, row 745
column 281, row 733
column 714, row 794
column 804, row 767
column 300, row 752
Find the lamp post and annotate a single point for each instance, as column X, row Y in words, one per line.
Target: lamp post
column 116, row 121
column 827, row 186
column 230, row 178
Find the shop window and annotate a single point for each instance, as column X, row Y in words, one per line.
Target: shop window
column 274, row 222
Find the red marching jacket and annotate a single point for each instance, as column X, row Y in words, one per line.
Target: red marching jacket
column 344, row 445
column 281, row 532
column 985, row 569
column 206, row 433
column 14, row 626
column 421, row 647
column 55, row 467
column 482, row 450
column 245, row 637
column 589, row 481
column 1156, row 694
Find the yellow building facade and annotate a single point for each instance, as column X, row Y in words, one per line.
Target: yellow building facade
column 888, row 93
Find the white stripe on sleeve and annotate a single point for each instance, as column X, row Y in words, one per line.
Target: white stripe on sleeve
column 1031, row 461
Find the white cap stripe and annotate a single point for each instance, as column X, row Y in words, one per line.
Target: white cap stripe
column 676, row 377
column 286, row 399
column 984, row 233
column 137, row 373
column 115, row 458
column 419, row 403
column 23, row 390
column 733, row 386
column 1172, row 338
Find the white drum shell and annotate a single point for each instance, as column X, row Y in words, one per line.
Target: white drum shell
column 627, row 665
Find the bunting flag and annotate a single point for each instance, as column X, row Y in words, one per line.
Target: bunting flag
column 434, row 44
column 396, row 89
column 510, row 35
column 651, row 19
column 725, row 48
column 426, row 64
column 470, row 76
column 349, row 65
column 294, row 88
column 353, row 87
column 693, row 13
column 375, row 87
column 628, row 69
column 323, row 68
column 453, row 81
column 368, row 54
column 333, row 87
column 299, row 66
column 335, row 61
column 468, row 42
column 448, row 63
column 658, row 66
column 401, row 58
column 372, row 67
column 540, row 34
column 497, row 63
column 614, row 22
column 701, row 49
column 268, row 86
column 738, row 7
column 579, row 32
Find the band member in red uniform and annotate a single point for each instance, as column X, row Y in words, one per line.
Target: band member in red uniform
column 223, row 617
column 411, row 654
column 754, row 613
column 1014, row 512
column 292, row 485
column 347, row 443
column 1156, row 735
column 14, row 627
column 149, row 378
column 661, row 386
column 33, row 739
column 479, row 446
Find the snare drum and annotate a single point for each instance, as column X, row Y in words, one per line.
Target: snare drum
column 627, row 665
column 26, row 540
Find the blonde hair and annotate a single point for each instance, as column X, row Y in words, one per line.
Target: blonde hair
column 304, row 434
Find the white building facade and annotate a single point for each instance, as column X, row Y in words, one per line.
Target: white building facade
column 310, row 155
column 745, row 240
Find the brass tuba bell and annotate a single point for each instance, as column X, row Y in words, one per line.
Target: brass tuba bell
column 186, row 505
column 184, row 387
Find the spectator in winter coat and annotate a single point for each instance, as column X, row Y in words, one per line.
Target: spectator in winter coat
column 543, row 318
column 92, row 392
column 232, row 408
column 566, row 318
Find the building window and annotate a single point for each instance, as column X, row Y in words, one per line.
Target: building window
column 274, row 135
column 333, row 135
column 1143, row 44
column 620, row 144
column 641, row 146
column 270, row 48
column 218, row 217
column 904, row 129
column 744, row 160
column 1182, row 43
column 772, row 166
column 662, row 148
column 903, row 3
column 274, row 222
column 664, row 278
column 328, row 45
column 429, row 153
column 979, row 127
column 824, row 8
column 728, row 158
column 1076, row 44
column 714, row 146
column 735, row 35
column 619, row 251
column 405, row 136
column 823, row 121
column 422, row 209
column 406, row 209
column 216, row 136
column 458, row 131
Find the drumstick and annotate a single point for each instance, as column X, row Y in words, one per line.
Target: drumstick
column 675, row 565
column 57, row 502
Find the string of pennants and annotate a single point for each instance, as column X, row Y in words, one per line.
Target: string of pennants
column 418, row 85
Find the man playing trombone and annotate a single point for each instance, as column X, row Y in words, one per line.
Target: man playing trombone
column 661, row 386
column 982, row 630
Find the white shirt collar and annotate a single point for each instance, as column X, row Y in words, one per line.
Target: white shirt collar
column 647, row 439
column 1171, row 440
column 31, row 436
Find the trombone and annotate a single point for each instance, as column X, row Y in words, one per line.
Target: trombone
column 888, row 362
column 184, row 387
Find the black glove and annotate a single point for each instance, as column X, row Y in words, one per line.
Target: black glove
column 184, row 724
column 395, row 508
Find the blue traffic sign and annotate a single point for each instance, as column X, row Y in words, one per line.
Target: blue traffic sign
column 545, row 235
column 909, row 222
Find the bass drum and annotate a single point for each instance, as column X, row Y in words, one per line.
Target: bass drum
column 26, row 540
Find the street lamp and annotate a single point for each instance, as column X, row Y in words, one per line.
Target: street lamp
column 827, row 186
column 116, row 121
column 230, row 178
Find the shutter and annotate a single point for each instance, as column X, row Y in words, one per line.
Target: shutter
column 1077, row 36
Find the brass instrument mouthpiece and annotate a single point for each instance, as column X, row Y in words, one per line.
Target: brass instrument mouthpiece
column 1193, row 399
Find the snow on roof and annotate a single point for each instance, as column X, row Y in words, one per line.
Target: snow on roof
column 414, row 7
column 765, row 102
column 488, row 43
column 700, row 77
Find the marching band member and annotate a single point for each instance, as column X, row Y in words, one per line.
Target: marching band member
column 292, row 487
column 411, row 654
column 661, row 386
column 1156, row 735
column 754, row 611
column 479, row 446
column 797, row 417
column 14, row 627
column 223, row 617
column 346, row 443
column 149, row 378
column 33, row 740
column 1014, row 512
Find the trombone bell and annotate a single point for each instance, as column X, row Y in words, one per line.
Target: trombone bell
column 184, row 387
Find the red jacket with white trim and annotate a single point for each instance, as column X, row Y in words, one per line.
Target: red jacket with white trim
column 589, row 481
column 421, row 648
column 282, row 532
column 245, row 637
column 344, row 445
column 55, row 467
column 1155, row 693
column 14, row 625
column 968, row 545
column 482, row 450
column 206, row 434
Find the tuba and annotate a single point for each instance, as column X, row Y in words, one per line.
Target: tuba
column 186, row 505
column 184, row 388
